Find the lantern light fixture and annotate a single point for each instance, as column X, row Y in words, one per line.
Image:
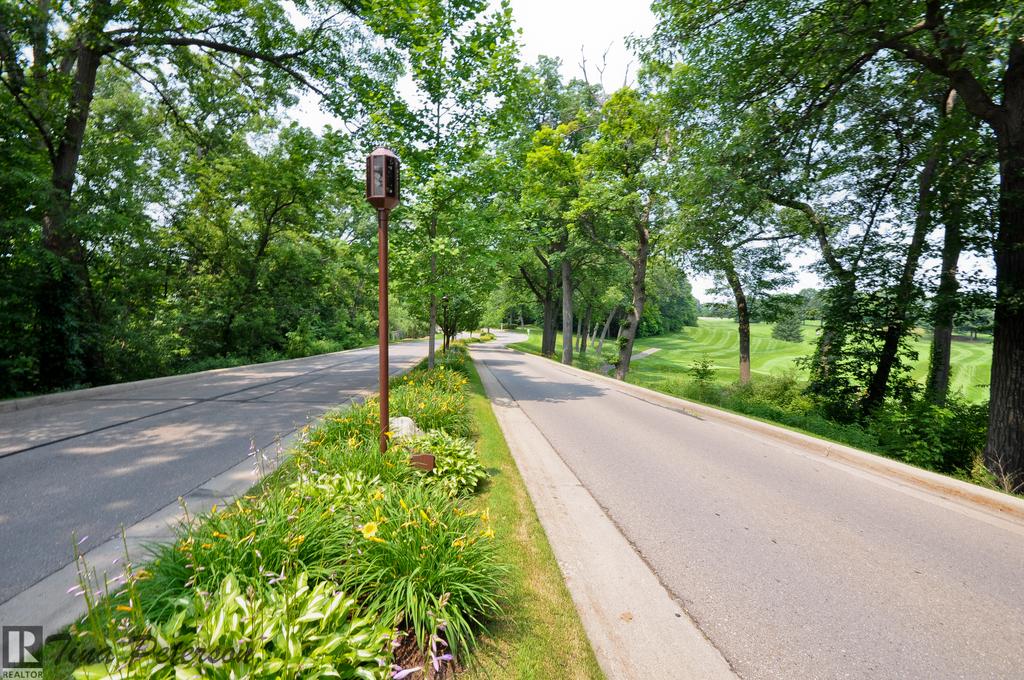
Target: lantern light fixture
column 382, row 179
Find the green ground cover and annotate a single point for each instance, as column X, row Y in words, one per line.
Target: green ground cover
column 717, row 338
column 346, row 563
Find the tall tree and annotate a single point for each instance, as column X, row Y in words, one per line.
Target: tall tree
column 51, row 55
column 727, row 227
column 622, row 200
column 539, row 100
column 550, row 185
column 966, row 211
column 805, row 53
column 462, row 61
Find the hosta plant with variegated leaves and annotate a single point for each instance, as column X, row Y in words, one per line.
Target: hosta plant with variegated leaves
column 457, row 467
column 296, row 631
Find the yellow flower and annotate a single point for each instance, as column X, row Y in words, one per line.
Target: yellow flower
column 459, row 543
column 402, row 503
column 217, row 534
column 487, row 533
column 379, row 496
column 123, row 608
column 370, row 532
column 206, row 546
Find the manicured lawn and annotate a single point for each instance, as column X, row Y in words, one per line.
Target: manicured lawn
column 971, row 361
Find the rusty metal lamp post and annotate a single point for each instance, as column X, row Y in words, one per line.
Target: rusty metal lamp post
column 382, row 192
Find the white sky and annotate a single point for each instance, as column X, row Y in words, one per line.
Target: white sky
column 562, row 28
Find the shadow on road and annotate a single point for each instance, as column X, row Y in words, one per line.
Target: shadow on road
column 526, row 388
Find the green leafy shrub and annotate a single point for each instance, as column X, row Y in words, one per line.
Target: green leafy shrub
column 965, row 435
column 457, row 467
column 258, row 539
column 923, row 434
column 783, row 391
column 435, row 401
column 901, row 434
column 789, row 328
column 422, row 562
column 703, row 372
column 914, row 431
column 289, row 632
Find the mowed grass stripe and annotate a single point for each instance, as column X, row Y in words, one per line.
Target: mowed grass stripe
column 718, row 339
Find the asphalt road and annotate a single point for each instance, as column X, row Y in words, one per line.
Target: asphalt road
column 98, row 461
column 793, row 566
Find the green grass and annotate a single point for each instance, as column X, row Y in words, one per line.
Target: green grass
column 540, row 634
column 718, row 338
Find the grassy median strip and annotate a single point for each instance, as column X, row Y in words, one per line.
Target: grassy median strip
column 539, row 634
column 346, row 563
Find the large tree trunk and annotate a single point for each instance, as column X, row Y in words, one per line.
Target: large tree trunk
column 66, row 307
column 566, row 311
column 604, row 331
column 636, row 310
column 548, row 335
column 586, row 331
column 545, row 295
column 1004, row 452
column 945, row 307
column 899, row 315
column 742, row 315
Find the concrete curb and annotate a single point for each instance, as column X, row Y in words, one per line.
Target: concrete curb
column 637, row 629
column 978, row 498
